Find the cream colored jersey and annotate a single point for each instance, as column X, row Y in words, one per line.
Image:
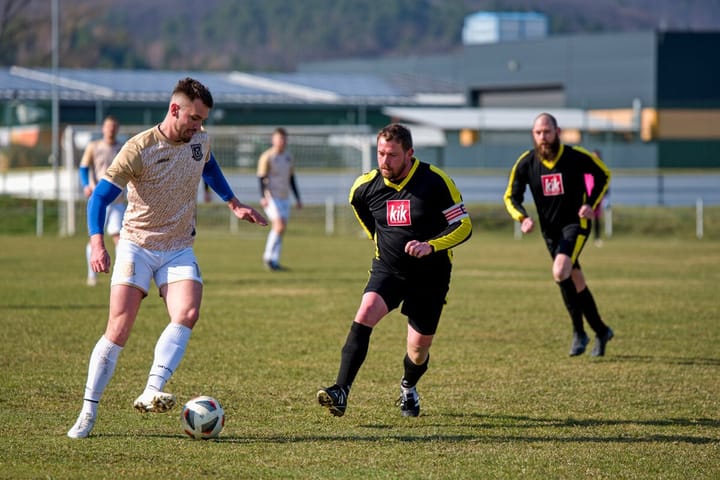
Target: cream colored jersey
column 162, row 178
column 98, row 156
column 277, row 167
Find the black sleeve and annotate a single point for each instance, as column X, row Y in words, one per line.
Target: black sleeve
column 363, row 214
column 293, row 186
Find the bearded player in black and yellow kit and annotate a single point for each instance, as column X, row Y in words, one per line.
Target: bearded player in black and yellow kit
column 415, row 215
column 556, row 173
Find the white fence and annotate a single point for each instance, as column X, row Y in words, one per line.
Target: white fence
column 328, row 160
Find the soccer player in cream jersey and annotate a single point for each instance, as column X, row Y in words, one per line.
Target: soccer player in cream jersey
column 276, row 173
column 415, row 214
column 161, row 168
column 97, row 157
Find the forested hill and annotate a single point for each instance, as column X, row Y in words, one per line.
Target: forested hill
column 278, row 34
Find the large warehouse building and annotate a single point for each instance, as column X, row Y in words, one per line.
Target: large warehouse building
column 648, row 99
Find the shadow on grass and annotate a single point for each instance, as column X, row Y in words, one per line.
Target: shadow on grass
column 488, row 426
column 523, row 421
column 489, row 439
column 84, row 306
column 450, row 438
column 713, row 362
column 488, row 429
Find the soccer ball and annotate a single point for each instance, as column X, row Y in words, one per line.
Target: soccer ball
column 202, row 417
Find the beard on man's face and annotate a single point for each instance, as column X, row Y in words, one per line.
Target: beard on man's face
column 548, row 149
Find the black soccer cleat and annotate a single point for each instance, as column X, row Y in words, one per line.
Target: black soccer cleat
column 334, row 399
column 601, row 342
column 409, row 402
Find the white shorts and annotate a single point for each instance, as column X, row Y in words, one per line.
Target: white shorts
column 114, row 218
column 278, row 208
column 136, row 266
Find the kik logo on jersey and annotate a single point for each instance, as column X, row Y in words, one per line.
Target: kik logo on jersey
column 552, row 184
column 398, row 213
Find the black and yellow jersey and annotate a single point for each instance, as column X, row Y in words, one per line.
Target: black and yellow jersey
column 557, row 185
column 425, row 206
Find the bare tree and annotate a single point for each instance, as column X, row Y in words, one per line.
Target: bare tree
column 11, row 13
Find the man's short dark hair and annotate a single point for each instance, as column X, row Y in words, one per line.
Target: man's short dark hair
column 193, row 89
column 398, row 133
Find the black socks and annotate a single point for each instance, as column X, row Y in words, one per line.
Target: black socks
column 581, row 304
column 572, row 303
column 353, row 354
column 589, row 309
column 413, row 372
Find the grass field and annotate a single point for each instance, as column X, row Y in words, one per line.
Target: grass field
column 501, row 399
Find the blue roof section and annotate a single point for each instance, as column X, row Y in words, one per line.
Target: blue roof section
column 506, row 15
column 342, row 84
column 226, row 87
column 9, row 83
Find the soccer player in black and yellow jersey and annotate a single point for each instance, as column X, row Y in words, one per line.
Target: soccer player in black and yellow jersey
column 415, row 214
column 555, row 173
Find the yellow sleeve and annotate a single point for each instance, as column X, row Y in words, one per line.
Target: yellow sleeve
column 515, row 191
column 459, row 224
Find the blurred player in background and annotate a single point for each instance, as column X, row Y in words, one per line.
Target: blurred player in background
column 598, row 211
column 97, row 157
column 415, row 215
column 276, row 172
column 161, row 168
column 555, row 174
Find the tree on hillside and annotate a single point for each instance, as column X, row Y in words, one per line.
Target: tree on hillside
column 12, row 25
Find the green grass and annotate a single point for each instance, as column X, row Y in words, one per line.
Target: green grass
column 501, row 399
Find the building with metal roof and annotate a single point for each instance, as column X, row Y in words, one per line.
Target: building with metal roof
column 87, row 95
column 139, row 97
column 646, row 99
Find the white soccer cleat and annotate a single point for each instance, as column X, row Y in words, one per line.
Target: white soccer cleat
column 156, row 402
column 83, row 426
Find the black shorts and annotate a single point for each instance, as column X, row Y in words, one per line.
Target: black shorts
column 422, row 294
column 569, row 241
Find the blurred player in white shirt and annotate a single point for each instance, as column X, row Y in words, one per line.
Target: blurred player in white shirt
column 97, row 157
column 277, row 177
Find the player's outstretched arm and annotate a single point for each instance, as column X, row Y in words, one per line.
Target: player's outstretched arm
column 246, row 212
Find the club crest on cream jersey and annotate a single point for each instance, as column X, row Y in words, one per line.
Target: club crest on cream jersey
column 197, row 152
